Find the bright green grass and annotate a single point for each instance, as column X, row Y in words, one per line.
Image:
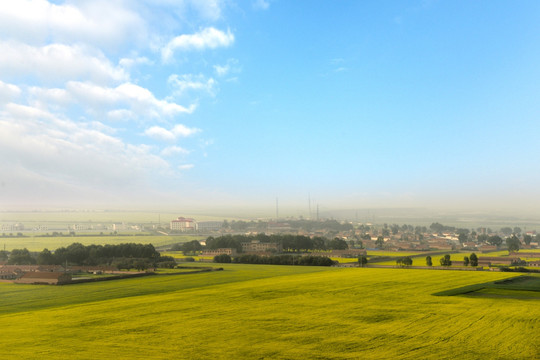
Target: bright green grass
column 269, row 312
column 52, row 243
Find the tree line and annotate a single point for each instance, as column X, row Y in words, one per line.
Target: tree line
column 289, row 243
column 285, row 259
column 78, row 254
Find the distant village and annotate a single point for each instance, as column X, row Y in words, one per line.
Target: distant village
column 326, row 237
column 368, row 236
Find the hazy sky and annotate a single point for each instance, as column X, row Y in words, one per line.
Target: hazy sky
column 193, row 103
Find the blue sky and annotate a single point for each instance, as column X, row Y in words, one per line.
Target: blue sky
column 229, row 104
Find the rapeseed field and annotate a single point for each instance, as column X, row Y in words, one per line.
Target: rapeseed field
column 270, row 312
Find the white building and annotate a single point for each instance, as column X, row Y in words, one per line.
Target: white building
column 183, row 224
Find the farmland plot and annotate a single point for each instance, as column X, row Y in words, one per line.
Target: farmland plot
column 286, row 313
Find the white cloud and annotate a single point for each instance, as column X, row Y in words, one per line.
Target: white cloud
column 210, row 9
column 261, row 5
column 138, row 100
column 176, row 132
column 230, row 67
column 100, row 23
column 8, row 92
column 130, row 62
column 209, row 38
column 174, row 150
column 42, row 145
column 186, row 167
column 186, row 82
column 57, row 63
column 44, row 98
column 121, row 115
column 79, row 86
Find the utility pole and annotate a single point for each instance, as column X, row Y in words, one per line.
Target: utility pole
column 309, row 205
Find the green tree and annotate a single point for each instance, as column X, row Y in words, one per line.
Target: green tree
column 462, row 237
column 482, row 238
column 429, row 262
column 191, row 246
column 445, row 260
column 338, row 244
column 362, row 260
column 513, row 243
column 45, row 258
column 527, row 239
column 77, row 253
column 407, row 261
column 466, row 260
column 495, row 240
column 404, row 261
column 506, row 230
column 379, row 242
column 222, row 258
column 21, row 257
column 473, row 259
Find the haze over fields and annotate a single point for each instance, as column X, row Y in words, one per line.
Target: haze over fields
column 205, row 104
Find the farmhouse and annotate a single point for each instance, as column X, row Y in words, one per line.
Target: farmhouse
column 8, row 274
column 227, row 251
column 256, row 246
column 46, row 278
column 498, row 260
column 350, row 253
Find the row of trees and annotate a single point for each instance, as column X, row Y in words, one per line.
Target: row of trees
column 79, row 254
column 301, row 224
column 404, row 261
column 471, row 260
column 276, row 260
column 291, row 243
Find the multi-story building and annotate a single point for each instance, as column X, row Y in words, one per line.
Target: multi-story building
column 183, row 224
column 209, row 225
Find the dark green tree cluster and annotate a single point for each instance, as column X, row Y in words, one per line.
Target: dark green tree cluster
column 495, row 240
column 473, row 259
column 226, row 241
column 188, row 247
column 404, row 261
column 429, row 262
column 445, row 260
column 79, row 254
column 4, row 255
column 513, row 243
column 290, row 243
column 21, row 257
column 362, row 260
column 222, row 258
column 284, row 260
column 439, row 228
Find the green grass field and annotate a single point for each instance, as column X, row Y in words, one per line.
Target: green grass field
column 269, row 312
